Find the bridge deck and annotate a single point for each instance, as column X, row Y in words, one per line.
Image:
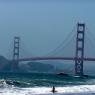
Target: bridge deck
column 55, row 58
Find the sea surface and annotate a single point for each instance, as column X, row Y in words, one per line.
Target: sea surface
column 42, row 83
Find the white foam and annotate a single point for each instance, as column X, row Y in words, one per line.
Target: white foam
column 73, row 90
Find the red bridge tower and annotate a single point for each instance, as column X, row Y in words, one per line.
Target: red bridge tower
column 79, row 49
column 16, row 53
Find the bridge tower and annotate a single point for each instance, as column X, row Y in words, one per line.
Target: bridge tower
column 16, row 53
column 79, row 49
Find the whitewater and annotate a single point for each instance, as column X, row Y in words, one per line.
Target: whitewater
column 74, row 90
column 41, row 84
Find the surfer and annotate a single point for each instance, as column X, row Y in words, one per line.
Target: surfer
column 53, row 89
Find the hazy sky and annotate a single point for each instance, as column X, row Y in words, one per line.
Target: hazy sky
column 42, row 24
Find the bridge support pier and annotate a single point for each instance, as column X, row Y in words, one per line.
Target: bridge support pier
column 16, row 54
column 79, row 49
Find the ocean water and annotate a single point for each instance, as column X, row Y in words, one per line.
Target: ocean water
column 41, row 84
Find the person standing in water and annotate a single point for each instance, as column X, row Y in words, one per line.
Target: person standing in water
column 53, row 89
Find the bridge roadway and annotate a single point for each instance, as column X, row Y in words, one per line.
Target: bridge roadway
column 55, row 58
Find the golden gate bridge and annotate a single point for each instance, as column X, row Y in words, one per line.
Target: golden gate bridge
column 79, row 57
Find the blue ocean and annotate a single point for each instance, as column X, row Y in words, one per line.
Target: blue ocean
column 42, row 83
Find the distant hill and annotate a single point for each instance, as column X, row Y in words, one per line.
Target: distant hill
column 37, row 67
column 6, row 66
